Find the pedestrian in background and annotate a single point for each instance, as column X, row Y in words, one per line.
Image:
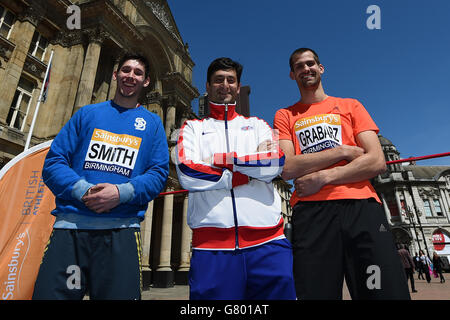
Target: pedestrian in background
column 425, row 265
column 408, row 264
column 418, row 267
column 437, row 265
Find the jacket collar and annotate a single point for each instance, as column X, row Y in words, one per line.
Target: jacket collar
column 217, row 111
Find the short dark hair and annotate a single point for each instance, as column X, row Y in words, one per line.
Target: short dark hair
column 135, row 56
column 300, row 51
column 224, row 64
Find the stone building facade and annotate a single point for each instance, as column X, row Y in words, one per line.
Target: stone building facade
column 86, row 51
column 416, row 200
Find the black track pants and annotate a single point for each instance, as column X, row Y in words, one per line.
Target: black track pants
column 103, row 263
column 345, row 237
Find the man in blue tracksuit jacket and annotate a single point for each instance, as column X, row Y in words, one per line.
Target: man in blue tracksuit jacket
column 103, row 167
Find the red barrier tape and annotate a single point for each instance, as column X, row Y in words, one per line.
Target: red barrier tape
column 438, row 155
column 172, row 192
column 420, row 158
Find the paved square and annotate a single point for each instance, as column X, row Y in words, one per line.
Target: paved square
column 426, row 291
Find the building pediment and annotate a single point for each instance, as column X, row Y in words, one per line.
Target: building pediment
column 162, row 12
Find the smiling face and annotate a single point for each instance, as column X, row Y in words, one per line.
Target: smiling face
column 223, row 86
column 306, row 71
column 131, row 79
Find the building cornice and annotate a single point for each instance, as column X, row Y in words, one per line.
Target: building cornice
column 174, row 81
column 33, row 13
column 6, row 48
column 104, row 14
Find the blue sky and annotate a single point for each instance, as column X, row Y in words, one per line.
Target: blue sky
column 400, row 72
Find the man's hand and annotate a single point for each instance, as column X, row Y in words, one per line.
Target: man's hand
column 102, row 197
column 310, row 183
column 267, row 145
column 302, row 164
column 360, row 168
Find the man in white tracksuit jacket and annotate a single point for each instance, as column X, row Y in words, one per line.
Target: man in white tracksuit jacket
column 227, row 162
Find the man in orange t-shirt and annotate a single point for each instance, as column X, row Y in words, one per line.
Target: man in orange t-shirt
column 339, row 226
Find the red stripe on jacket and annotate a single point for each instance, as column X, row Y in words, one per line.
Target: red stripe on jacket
column 225, row 238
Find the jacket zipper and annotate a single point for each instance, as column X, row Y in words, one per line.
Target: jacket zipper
column 231, row 191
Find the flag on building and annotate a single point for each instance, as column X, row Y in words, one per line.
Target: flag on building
column 42, row 98
column 46, row 83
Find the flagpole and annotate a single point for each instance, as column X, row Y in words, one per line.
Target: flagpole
column 30, row 133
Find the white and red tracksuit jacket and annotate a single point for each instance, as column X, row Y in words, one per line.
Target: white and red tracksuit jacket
column 232, row 201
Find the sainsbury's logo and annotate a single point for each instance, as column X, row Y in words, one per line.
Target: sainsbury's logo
column 12, row 282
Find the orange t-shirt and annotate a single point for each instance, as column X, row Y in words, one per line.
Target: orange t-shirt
column 324, row 125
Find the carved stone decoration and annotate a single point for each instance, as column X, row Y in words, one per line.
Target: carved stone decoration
column 153, row 97
column 172, row 184
column 172, row 100
column 6, row 48
column 428, row 193
column 3, row 161
column 160, row 13
column 68, row 38
column 32, row 14
column 187, row 112
column 35, row 67
column 97, row 35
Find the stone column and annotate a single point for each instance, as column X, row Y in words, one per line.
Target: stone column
column 184, row 117
column 117, row 55
column 164, row 273
column 21, row 36
column 446, row 203
column 170, row 116
column 153, row 102
column 67, row 66
column 386, row 209
column 146, row 235
column 186, row 236
column 86, row 85
column 418, row 203
column 399, row 206
column 113, row 83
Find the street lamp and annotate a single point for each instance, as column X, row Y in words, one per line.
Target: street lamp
column 410, row 215
column 418, row 214
column 416, row 210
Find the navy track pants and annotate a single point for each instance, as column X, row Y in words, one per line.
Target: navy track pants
column 259, row 273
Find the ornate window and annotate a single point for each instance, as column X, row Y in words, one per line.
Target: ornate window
column 7, row 19
column 20, row 105
column 437, row 207
column 427, row 208
column 38, row 46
